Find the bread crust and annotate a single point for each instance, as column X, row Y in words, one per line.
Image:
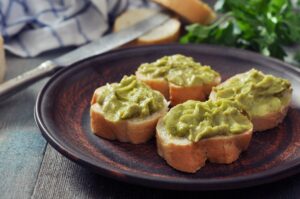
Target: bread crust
column 195, row 11
column 268, row 121
column 178, row 94
column 171, row 38
column 154, row 36
column 159, row 84
column 135, row 131
column 187, row 156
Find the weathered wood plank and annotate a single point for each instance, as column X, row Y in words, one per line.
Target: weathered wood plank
column 21, row 144
column 21, row 152
column 61, row 178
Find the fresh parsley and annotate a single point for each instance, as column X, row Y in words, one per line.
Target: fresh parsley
column 264, row 26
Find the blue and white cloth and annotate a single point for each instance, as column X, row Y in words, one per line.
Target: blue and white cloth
column 30, row 27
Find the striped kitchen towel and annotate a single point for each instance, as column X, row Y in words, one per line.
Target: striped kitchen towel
column 30, row 27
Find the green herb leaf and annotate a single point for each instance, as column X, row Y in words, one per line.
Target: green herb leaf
column 264, row 26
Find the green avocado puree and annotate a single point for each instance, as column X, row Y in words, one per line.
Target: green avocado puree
column 179, row 70
column 197, row 120
column 257, row 93
column 129, row 99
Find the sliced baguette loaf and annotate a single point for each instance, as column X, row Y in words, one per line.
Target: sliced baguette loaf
column 135, row 130
column 187, row 156
column 268, row 120
column 178, row 94
column 166, row 33
column 195, row 11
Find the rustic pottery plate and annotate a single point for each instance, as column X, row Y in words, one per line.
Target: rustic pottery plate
column 62, row 114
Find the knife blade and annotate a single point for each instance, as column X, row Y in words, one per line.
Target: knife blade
column 97, row 47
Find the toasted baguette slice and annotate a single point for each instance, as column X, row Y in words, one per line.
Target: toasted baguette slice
column 166, row 33
column 195, row 11
column 268, row 121
column 178, row 94
column 186, row 156
column 159, row 84
column 137, row 130
column 2, row 60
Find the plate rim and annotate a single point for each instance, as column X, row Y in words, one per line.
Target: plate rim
column 259, row 178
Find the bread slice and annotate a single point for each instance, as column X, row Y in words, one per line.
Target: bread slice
column 2, row 60
column 187, row 156
column 165, row 33
column 178, row 94
column 195, row 11
column 136, row 130
column 268, row 121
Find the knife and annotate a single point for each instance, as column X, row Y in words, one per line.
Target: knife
column 97, row 47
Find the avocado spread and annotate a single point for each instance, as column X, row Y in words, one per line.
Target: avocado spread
column 179, row 70
column 197, row 120
column 257, row 93
column 129, row 99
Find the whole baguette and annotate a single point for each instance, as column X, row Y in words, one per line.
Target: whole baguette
column 268, row 121
column 178, row 94
column 136, row 130
column 187, row 156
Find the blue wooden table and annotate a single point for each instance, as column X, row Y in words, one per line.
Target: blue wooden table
column 30, row 168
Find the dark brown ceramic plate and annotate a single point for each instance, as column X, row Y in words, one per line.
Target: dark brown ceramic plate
column 62, row 114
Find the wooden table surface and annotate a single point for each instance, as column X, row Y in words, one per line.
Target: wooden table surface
column 31, row 168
